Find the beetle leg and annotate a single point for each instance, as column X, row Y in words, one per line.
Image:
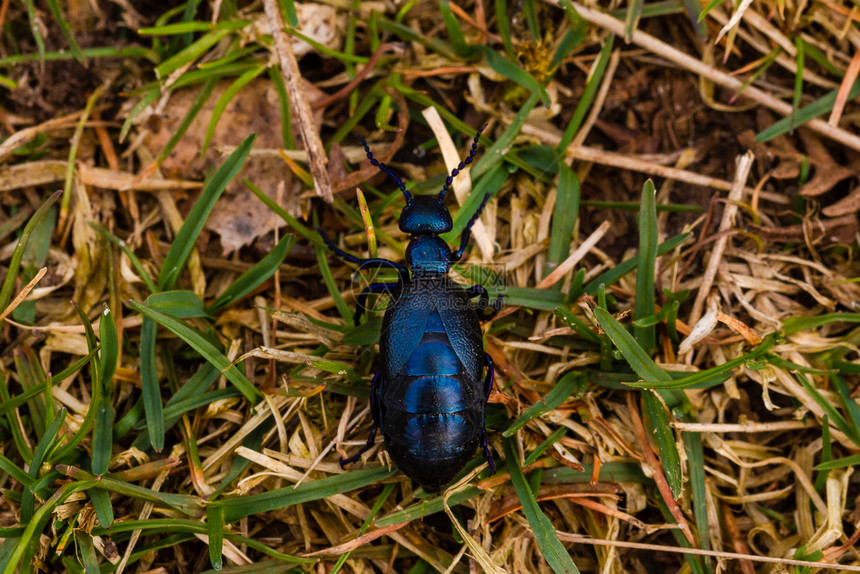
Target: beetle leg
column 488, row 387
column 482, row 307
column 374, row 389
column 372, row 263
column 361, row 299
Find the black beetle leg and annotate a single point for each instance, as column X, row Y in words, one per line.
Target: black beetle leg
column 361, row 299
column 374, row 386
column 488, row 387
column 483, row 306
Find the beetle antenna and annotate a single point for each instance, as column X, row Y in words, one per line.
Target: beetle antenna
column 462, row 165
column 478, row 213
column 384, row 168
column 467, row 231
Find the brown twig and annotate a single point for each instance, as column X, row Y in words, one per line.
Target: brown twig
column 299, row 105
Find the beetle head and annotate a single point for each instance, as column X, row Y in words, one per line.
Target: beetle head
column 425, row 215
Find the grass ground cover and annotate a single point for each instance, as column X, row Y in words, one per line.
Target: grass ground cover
column 672, row 223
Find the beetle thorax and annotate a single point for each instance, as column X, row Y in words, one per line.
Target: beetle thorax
column 428, row 255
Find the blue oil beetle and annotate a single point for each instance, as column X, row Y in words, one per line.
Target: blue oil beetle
column 434, row 380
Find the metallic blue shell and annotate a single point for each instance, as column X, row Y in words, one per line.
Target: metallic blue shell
column 431, row 396
column 425, row 215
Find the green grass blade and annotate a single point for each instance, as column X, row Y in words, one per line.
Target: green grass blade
column 848, row 402
column 103, row 436
column 576, row 324
column 199, row 101
column 109, row 354
column 180, row 304
column 853, row 460
column 571, row 39
column 427, row 507
column 488, row 185
column 631, row 21
column 646, row 368
column 87, row 552
column 455, row 32
column 408, row 34
column 96, row 397
column 35, row 28
column 851, row 431
column 565, row 387
column 206, row 349
column 57, row 12
column 665, row 440
column 532, row 22
column 46, row 443
column 696, row 378
column 798, row 79
column 644, row 306
column 18, row 253
column 184, row 503
column 150, row 387
column 18, row 400
column 13, row 222
column 102, row 506
column 135, row 262
column 236, row 508
column 174, row 410
column 821, row 106
column 550, row 546
column 254, row 276
column 611, row 276
column 826, row 454
column 711, row 5
column 633, row 353
column 553, row 438
column 148, row 99
column 591, row 86
column 564, row 218
column 504, row 28
column 192, row 26
column 224, row 101
column 496, row 152
column 795, row 324
column 37, row 524
column 325, row 271
column 89, row 54
column 191, row 53
column 185, row 240
column 15, row 471
column 514, row 73
column 215, row 529
column 696, row 459
column 295, row 224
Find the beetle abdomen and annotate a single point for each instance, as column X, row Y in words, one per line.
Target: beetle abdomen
column 432, row 413
column 432, row 448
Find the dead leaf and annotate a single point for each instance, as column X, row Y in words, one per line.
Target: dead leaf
column 827, row 172
column 848, row 204
column 238, row 217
